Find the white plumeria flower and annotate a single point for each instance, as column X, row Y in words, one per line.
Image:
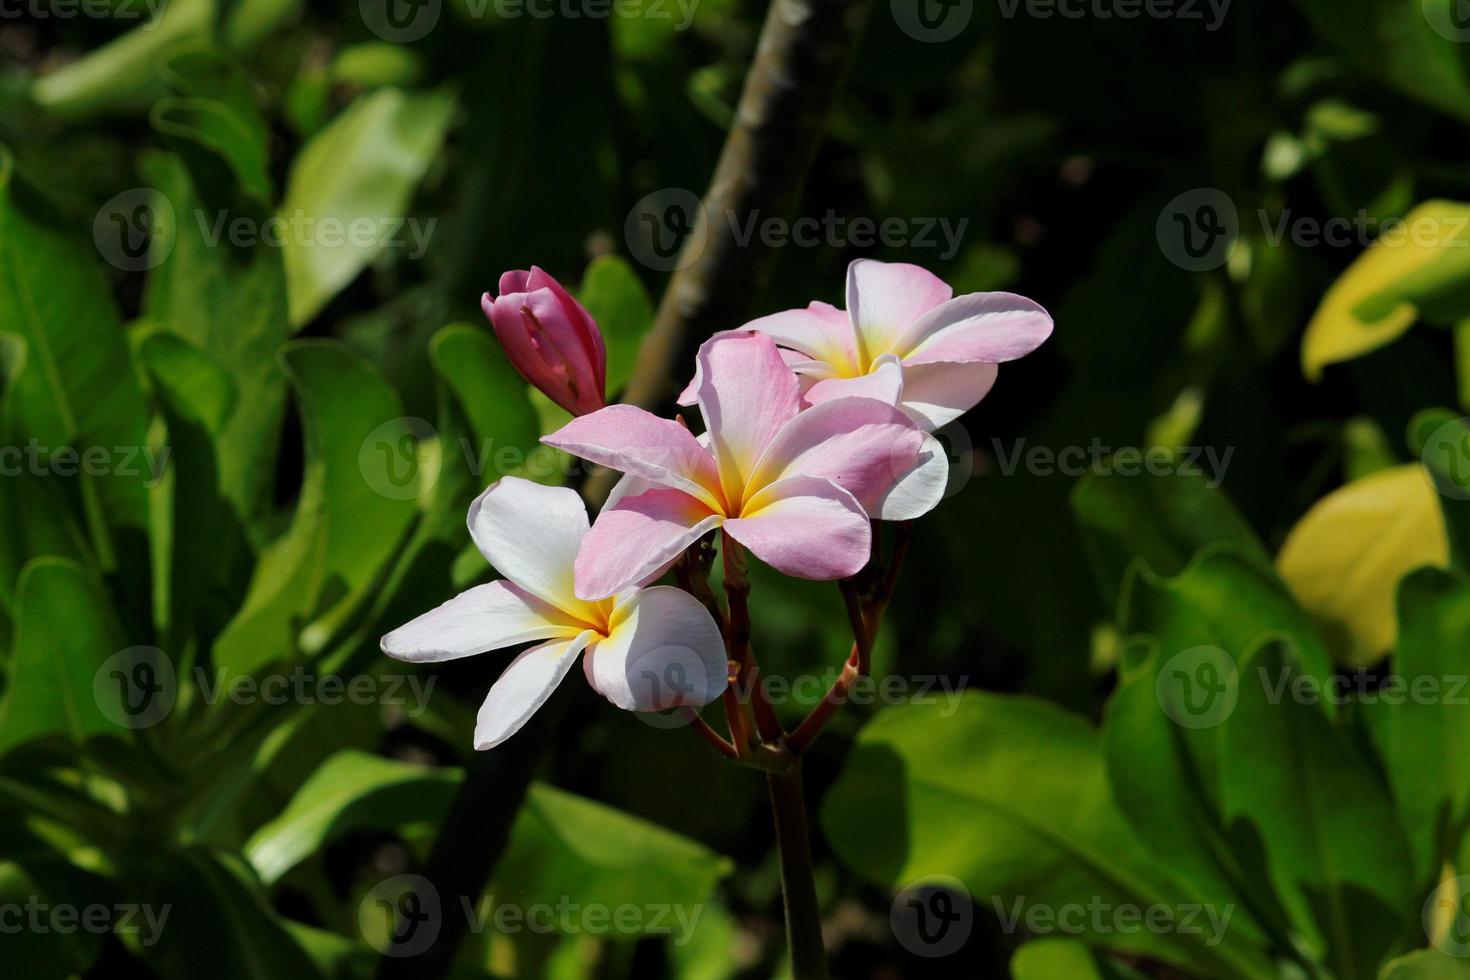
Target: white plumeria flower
column 646, row 649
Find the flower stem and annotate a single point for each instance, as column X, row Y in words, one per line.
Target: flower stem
column 798, row 884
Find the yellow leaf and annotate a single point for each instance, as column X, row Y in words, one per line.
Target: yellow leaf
column 1344, row 558
column 1360, row 312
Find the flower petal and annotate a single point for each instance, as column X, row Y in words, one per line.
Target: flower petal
column 806, row 527
column 523, row 687
column 861, row 444
column 919, row 490
column 884, row 381
column 746, row 393
column 821, row 331
column 531, row 534
column 664, row 651
column 486, row 617
column 935, row 395
column 629, row 439
column 885, row 298
column 989, row 327
column 636, row 536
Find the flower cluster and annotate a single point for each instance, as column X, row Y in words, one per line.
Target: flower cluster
column 817, row 422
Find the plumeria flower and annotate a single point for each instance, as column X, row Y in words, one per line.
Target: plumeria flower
column 550, row 339
column 795, row 487
column 905, row 339
column 644, row 649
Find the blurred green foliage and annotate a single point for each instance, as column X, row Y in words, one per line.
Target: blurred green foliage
column 290, row 430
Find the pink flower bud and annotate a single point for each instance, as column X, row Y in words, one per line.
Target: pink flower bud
column 550, row 339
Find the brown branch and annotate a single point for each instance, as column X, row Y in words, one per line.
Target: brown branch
column 804, row 52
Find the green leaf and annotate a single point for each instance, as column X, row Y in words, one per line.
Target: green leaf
column 1441, row 438
column 1063, row 959
column 78, row 388
column 193, row 524
column 1163, row 520
column 1373, row 302
column 1224, row 599
column 375, row 64
column 614, row 295
column 64, row 632
column 1406, row 42
column 44, row 952
column 493, row 397
column 1293, row 786
column 1423, row 738
column 1011, row 796
column 361, row 169
column 563, row 844
column 218, row 922
column 231, row 304
column 351, row 791
column 1426, row 964
column 350, row 520
column 236, row 137
column 124, row 72
column 1344, row 558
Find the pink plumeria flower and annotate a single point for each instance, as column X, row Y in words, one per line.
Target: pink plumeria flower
column 907, row 340
column 795, row 487
column 550, row 339
column 643, row 649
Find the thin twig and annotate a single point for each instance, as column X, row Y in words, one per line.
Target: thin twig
column 702, row 728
